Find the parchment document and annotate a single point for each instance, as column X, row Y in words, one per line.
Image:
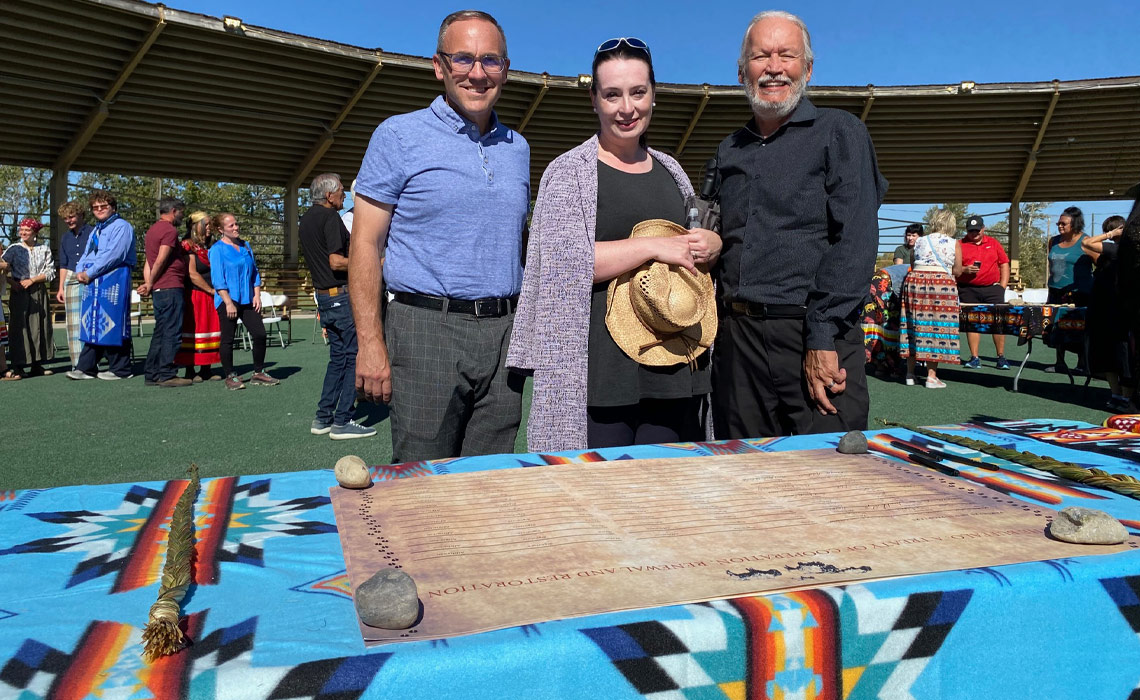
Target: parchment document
column 509, row 547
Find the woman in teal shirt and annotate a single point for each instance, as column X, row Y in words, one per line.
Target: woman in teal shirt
column 1069, row 272
column 237, row 295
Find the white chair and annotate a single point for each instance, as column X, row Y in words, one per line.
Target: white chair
column 136, row 313
column 270, row 304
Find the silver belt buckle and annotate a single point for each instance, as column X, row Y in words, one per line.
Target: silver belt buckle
column 486, row 308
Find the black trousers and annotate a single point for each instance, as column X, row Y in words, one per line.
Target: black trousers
column 118, row 358
column 647, row 422
column 252, row 321
column 758, row 381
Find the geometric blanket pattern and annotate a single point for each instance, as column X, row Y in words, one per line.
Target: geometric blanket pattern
column 270, row 614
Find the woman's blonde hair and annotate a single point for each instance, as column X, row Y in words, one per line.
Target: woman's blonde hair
column 943, row 221
column 197, row 225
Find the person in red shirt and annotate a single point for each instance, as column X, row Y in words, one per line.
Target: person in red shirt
column 164, row 278
column 982, row 270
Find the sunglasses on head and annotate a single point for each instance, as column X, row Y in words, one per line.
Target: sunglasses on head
column 630, row 41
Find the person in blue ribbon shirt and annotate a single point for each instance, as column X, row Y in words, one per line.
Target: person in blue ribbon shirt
column 237, row 294
column 105, row 271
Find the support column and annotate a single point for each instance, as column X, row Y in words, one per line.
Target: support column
column 1015, row 246
column 292, row 219
column 289, row 280
column 57, row 195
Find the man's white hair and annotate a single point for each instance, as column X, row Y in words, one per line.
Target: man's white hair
column 809, row 56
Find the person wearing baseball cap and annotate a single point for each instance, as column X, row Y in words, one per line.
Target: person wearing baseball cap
column 981, row 267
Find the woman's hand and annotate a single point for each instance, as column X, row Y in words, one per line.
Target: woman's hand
column 231, row 310
column 673, row 251
column 704, row 244
column 257, row 303
column 26, row 283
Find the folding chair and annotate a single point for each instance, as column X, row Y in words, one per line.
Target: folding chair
column 272, row 322
column 136, row 313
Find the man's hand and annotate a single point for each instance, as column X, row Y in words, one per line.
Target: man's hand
column 26, row 283
column 824, row 378
column 83, row 278
column 59, row 298
column 143, row 289
column 373, row 372
column 256, row 302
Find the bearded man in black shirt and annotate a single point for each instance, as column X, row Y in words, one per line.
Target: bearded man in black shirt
column 800, row 191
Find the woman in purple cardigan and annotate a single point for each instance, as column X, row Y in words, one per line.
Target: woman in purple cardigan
column 587, row 392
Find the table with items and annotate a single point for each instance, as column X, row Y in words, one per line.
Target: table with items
column 270, row 613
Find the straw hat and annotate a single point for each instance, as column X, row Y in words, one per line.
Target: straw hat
column 661, row 314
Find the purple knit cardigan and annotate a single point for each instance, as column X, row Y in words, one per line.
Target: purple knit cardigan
column 552, row 323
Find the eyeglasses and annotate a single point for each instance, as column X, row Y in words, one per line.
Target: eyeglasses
column 630, row 41
column 465, row 62
column 100, row 207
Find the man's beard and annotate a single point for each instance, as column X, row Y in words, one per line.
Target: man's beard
column 775, row 110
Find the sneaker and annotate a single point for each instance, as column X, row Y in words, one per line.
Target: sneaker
column 197, row 379
column 1118, row 404
column 910, row 380
column 76, row 374
column 263, row 379
column 319, row 427
column 1055, row 369
column 935, row 383
column 175, row 382
column 111, row 376
column 233, row 383
column 973, row 363
column 1002, row 363
column 351, row 430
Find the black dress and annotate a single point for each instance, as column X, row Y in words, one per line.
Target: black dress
column 614, row 379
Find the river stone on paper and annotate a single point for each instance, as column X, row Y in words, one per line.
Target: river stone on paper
column 1087, row 526
column 352, row 472
column 853, row 443
column 388, row 600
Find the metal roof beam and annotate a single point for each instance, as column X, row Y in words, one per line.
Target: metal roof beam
column 867, row 104
column 100, row 112
column 535, row 102
column 326, row 141
column 693, row 122
column 1031, row 162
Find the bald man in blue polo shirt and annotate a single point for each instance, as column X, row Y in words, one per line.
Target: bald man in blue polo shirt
column 443, row 194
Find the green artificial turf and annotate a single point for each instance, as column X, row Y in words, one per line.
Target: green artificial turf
column 57, row 431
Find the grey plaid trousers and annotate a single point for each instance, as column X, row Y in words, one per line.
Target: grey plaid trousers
column 452, row 394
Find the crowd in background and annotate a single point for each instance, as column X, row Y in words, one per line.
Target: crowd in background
column 920, row 297
column 615, row 311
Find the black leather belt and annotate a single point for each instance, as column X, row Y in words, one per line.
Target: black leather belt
column 757, row 309
column 332, row 291
column 480, row 308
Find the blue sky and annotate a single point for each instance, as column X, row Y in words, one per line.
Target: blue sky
column 891, row 42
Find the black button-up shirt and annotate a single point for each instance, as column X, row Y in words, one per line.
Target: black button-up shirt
column 799, row 217
column 71, row 246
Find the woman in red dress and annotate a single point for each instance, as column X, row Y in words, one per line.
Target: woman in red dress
column 201, row 334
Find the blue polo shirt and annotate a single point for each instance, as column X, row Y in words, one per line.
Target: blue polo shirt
column 235, row 271
column 71, row 246
column 460, row 202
